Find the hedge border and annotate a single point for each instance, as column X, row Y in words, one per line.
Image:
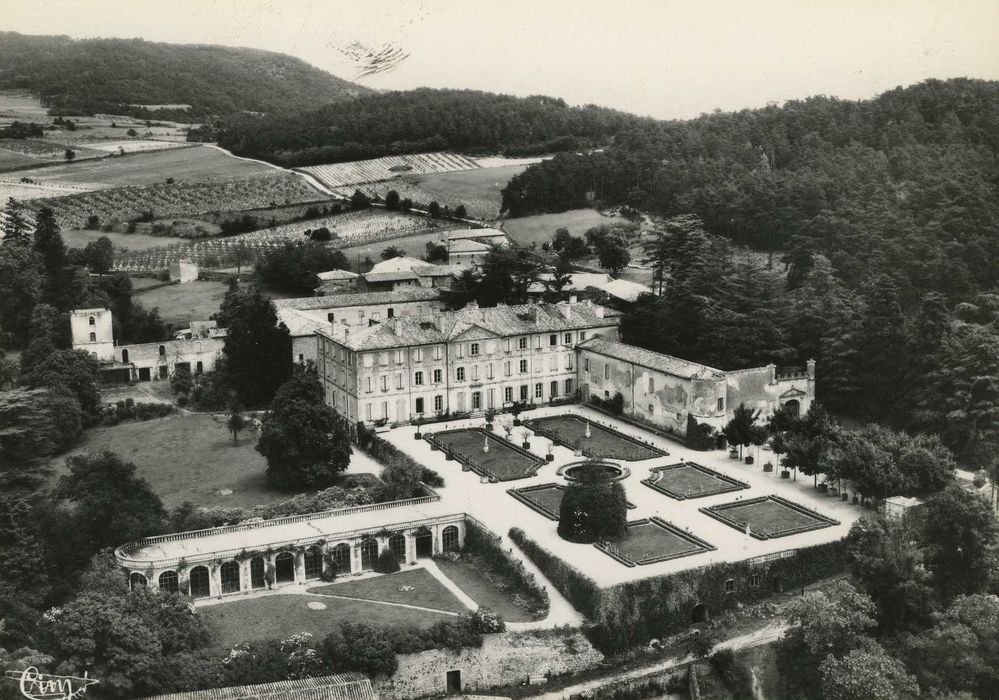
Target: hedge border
column 700, row 546
column 734, row 484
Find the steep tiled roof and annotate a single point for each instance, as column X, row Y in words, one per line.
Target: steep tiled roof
column 500, row 321
column 336, row 275
column 652, row 360
column 396, row 264
column 342, row 686
column 299, row 323
column 336, row 301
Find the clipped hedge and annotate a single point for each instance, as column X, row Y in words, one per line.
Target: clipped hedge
column 381, row 450
column 488, row 546
column 630, row 614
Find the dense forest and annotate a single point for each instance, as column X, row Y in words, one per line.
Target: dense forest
column 424, row 120
column 86, row 76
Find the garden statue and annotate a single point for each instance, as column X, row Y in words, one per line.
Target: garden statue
column 587, row 429
column 485, row 444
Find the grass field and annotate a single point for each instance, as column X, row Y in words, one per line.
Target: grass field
column 541, row 227
column 190, row 164
column 481, row 191
column 187, row 457
column 180, row 303
column 768, row 516
column 648, row 541
column 427, row 591
column 9, row 159
column 77, row 238
column 280, row 616
column 467, row 574
column 691, row 480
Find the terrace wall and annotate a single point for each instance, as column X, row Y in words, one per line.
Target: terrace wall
column 503, row 659
column 630, row 614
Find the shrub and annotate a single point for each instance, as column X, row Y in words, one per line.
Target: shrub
column 488, row 546
column 431, row 478
column 386, row 563
column 699, row 435
column 580, row 590
column 486, row 621
column 734, row 674
column 593, row 510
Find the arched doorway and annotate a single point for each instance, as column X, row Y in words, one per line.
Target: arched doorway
column 369, row 554
column 449, row 539
column 136, row 581
column 340, row 555
column 424, row 543
column 124, row 356
column 397, row 543
column 258, row 572
column 792, row 407
column 778, row 585
column 168, row 582
column 200, row 587
column 700, row 614
column 284, row 567
column 313, row 563
column 229, row 573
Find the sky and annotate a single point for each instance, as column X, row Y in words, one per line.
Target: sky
column 660, row 58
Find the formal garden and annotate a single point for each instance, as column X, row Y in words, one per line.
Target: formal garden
column 593, row 439
column 652, row 540
column 768, row 517
column 691, row 480
column 486, row 453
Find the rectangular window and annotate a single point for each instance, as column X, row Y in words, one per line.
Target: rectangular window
column 419, row 405
column 754, row 581
column 553, row 339
column 418, row 379
column 721, row 404
column 383, row 358
column 568, row 361
column 506, row 368
column 489, row 371
column 418, row 355
column 537, row 342
column 384, row 382
column 384, row 409
column 567, row 339
column 523, row 366
column 399, row 357
column 459, row 374
column 438, row 353
column 652, row 385
column 459, row 350
column 606, row 370
column 652, row 409
column 368, row 380
column 438, row 403
column 476, row 400
column 508, row 394
column 437, row 376
column 522, row 343
column 582, row 336
column 391, row 312
column 523, row 392
column 539, row 392
column 367, row 412
column 586, row 364
column 475, row 373
column 398, row 381
column 730, row 585
column 509, row 345
column 568, row 386
column 473, row 349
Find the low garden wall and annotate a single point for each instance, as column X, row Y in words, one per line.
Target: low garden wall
column 632, row 613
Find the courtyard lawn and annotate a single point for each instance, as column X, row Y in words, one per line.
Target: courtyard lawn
column 427, row 591
column 504, row 461
column 769, row 516
column 691, row 480
column 187, row 457
column 544, row 498
column 282, row 615
column 654, row 540
column 182, row 303
column 603, row 443
column 471, row 576
column 541, row 228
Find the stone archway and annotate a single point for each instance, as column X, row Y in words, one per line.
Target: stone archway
column 369, row 554
column 230, row 578
column 258, row 572
column 450, row 539
column 169, row 582
column 313, row 563
column 700, row 614
column 397, row 543
column 340, row 556
column 284, row 568
column 793, row 407
column 200, row 586
column 424, row 540
column 136, row 581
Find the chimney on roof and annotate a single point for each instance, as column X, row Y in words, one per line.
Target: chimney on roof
column 573, row 299
column 535, row 314
column 438, row 320
column 565, row 310
column 599, row 311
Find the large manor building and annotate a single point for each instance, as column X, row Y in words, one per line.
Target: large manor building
column 472, row 360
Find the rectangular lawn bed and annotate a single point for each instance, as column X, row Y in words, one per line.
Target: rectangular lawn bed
column 653, row 540
column 603, row 443
column 768, row 517
column 427, row 591
column 691, row 480
column 545, row 499
column 504, row 461
column 279, row 616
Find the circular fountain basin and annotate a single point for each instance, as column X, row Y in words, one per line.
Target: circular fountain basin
column 604, row 470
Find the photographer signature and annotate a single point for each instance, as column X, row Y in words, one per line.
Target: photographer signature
column 43, row 686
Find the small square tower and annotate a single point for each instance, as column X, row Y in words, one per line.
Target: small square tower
column 92, row 332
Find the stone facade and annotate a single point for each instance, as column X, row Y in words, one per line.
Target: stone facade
column 456, row 362
column 665, row 390
column 183, row 271
column 503, row 659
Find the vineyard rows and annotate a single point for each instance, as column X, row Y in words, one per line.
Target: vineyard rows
column 477, row 208
column 350, row 229
column 180, row 199
column 341, row 174
column 44, row 149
